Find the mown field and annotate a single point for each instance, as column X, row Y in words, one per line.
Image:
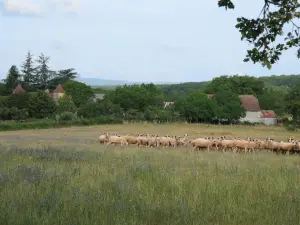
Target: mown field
column 63, row 176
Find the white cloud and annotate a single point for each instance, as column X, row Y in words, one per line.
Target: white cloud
column 65, row 6
column 22, row 7
column 34, row 7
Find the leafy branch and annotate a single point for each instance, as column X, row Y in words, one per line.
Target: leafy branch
column 263, row 31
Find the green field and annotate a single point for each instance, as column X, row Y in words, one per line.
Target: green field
column 64, row 176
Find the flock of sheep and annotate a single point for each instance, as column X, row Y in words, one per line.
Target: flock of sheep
column 209, row 143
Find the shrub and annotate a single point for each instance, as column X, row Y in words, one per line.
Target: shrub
column 3, row 101
column 41, row 106
column 67, row 116
column 43, row 124
column 4, row 113
column 65, row 105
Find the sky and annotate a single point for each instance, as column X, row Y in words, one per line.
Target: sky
column 133, row 40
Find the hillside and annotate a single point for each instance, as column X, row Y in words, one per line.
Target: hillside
column 175, row 91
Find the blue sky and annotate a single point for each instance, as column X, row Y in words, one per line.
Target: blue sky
column 136, row 40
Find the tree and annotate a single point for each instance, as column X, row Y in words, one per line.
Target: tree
column 80, row 92
column 13, row 78
column 100, row 108
column 238, row 84
column 229, row 105
column 137, row 97
column 292, row 100
column 69, row 74
column 41, row 105
column 197, row 107
column 43, row 73
column 263, row 32
column 65, row 105
column 273, row 98
column 20, row 101
column 28, row 71
column 61, row 77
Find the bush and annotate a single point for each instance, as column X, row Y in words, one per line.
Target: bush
column 21, row 101
column 18, row 114
column 3, row 101
column 67, row 116
column 43, row 124
column 65, row 105
column 4, row 113
column 41, row 106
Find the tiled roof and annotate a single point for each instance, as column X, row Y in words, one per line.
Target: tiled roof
column 18, row 89
column 250, row 103
column 268, row 114
column 59, row 89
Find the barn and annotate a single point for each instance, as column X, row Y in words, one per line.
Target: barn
column 268, row 117
column 254, row 114
column 252, row 109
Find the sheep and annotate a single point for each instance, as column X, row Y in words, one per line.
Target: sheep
column 248, row 144
column 103, row 138
column 116, row 140
column 164, row 141
column 142, row 141
column 202, row 143
column 152, row 141
column 287, row 146
column 225, row 143
column 130, row 139
column 182, row 142
column 173, row 141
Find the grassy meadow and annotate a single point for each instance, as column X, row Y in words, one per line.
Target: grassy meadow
column 63, row 176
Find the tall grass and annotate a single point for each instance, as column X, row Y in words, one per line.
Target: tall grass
column 115, row 186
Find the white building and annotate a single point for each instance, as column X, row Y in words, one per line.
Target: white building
column 252, row 109
column 253, row 112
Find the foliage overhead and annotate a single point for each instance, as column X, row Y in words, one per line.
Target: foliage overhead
column 263, row 32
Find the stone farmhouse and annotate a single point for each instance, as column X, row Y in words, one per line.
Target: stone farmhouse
column 57, row 93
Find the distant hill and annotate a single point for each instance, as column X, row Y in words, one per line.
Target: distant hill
column 97, row 82
column 175, row 91
column 103, row 82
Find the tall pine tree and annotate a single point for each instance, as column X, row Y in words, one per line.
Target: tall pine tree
column 13, row 78
column 44, row 74
column 62, row 76
column 28, row 71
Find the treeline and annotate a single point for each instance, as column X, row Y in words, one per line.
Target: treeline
column 35, row 76
column 144, row 102
column 279, row 83
column 269, row 90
